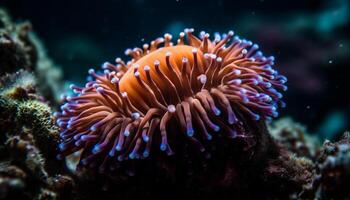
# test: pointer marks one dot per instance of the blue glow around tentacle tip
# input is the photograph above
(59, 157)
(245, 99)
(126, 133)
(275, 114)
(71, 120)
(118, 147)
(120, 158)
(77, 143)
(190, 132)
(84, 137)
(63, 106)
(100, 89)
(62, 133)
(84, 161)
(62, 146)
(69, 126)
(145, 154)
(209, 137)
(60, 123)
(216, 128)
(256, 117)
(268, 85)
(96, 149)
(145, 138)
(283, 104)
(284, 88)
(258, 54)
(76, 137)
(111, 153)
(93, 128)
(91, 71)
(163, 147)
(272, 90)
(132, 155)
(283, 78)
(279, 95)
(217, 112)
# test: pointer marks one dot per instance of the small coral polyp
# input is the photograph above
(202, 89)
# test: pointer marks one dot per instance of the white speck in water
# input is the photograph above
(308, 107)
(341, 45)
(330, 61)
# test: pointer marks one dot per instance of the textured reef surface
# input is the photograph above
(284, 161)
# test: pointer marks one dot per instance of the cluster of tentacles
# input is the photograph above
(203, 87)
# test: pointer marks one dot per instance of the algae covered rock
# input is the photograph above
(29, 137)
(20, 49)
(333, 169)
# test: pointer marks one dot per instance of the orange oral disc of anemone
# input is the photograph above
(197, 88)
(171, 61)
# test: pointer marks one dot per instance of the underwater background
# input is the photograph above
(310, 40)
(46, 46)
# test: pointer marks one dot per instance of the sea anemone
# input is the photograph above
(189, 93)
